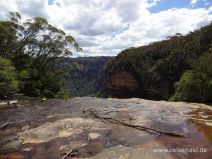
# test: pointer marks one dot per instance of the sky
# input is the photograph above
(105, 27)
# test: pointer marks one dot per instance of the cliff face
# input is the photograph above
(121, 83)
(158, 68)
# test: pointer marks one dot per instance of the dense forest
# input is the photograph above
(178, 68)
(89, 77)
(29, 53)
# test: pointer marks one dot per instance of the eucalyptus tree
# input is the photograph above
(35, 38)
(33, 47)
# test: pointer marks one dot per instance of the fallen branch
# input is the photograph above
(95, 114)
(11, 122)
(5, 124)
(68, 153)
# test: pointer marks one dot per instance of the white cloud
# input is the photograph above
(106, 27)
(193, 1)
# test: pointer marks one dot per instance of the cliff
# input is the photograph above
(176, 68)
(120, 83)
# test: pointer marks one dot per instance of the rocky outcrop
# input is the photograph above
(95, 128)
(121, 83)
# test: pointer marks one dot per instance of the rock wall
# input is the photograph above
(121, 84)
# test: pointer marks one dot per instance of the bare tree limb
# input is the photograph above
(113, 120)
(68, 153)
(5, 124)
(8, 122)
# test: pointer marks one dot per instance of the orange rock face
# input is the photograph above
(121, 82)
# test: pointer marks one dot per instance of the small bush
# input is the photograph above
(63, 94)
(192, 87)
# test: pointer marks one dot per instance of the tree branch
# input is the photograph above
(5, 124)
(8, 122)
(113, 120)
(68, 153)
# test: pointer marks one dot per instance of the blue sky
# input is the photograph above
(50, 2)
(105, 27)
(167, 4)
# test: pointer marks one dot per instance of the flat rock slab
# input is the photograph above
(122, 152)
(60, 128)
(110, 128)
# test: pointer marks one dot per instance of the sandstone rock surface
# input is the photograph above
(110, 128)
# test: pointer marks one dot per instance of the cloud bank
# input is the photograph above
(105, 27)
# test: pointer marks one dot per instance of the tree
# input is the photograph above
(159, 65)
(192, 87)
(33, 47)
(196, 85)
(9, 36)
(8, 78)
(35, 38)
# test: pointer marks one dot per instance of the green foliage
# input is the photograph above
(22, 76)
(158, 66)
(44, 85)
(8, 77)
(88, 79)
(191, 87)
(33, 47)
(196, 85)
(63, 94)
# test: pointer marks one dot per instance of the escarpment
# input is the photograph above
(177, 69)
(122, 83)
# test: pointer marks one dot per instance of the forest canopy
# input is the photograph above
(29, 51)
(178, 68)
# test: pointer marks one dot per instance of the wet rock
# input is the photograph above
(208, 123)
(8, 139)
(93, 136)
(94, 127)
(43, 99)
(122, 152)
(25, 128)
(63, 147)
(12, 155)
(12, 102)
(2, 103)
(8, 104)
(27, 149)
(60, 128)
(11, 146)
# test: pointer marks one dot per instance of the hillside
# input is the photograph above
(178, 68)
(89, 77)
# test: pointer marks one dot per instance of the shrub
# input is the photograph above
(63, 94)
(8, 77)
(192, 87)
